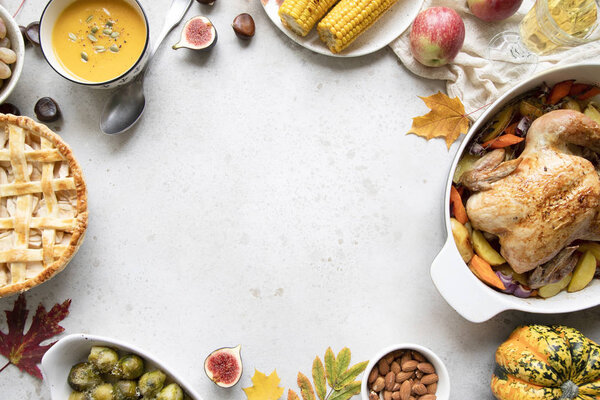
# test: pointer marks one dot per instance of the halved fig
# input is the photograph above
(224, 366)
(197, 34)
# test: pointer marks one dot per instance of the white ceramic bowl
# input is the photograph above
(18, 45)
(443, 388)
(52, 11)
(72, 349)
(456, 283)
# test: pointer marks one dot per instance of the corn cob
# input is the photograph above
(301, 15)
(348, 20)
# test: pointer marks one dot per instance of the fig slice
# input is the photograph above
(197, 34)
(224, 366)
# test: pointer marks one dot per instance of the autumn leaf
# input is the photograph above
(348, 376)
(336, 372)
(346, 392)
(446, 119)
(330, 367)
(292, 395)
(306, 389)
(264, 387)
(342, 361)
(318, 374)
(24, 350)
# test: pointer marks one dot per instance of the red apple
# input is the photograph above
(494, 10)
(437, 35)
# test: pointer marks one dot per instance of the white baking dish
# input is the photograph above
(456, 283)
(72, 349)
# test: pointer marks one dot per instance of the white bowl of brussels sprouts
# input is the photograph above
(86, 367)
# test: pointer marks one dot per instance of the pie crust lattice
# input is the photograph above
(43, 204)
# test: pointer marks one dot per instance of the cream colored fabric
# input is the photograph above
(474, 79)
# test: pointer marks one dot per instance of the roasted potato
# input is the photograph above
(462, 240)
(485, 250)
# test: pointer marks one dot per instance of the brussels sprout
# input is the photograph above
(129, 367)
(126, 390)
(151, 383)
(77, 396)
(102, 392)
(170, 392)
(83, 376)
(103, 358)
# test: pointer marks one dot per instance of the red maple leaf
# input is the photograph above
(23, 349)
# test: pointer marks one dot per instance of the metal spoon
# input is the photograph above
(126, 105)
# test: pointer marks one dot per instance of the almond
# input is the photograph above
(412, 398)
(432, 388)
(419, 374)
(373, 375)
(373, 396)
(395, 367)
(403, 375)
(389, 358)
(405, 357)
(418, 356)
(426, 368)
(405, 390)
(387, 395)
(396, 387)
(429, 379)
(383, 366)
(395, 396)
(428, 397)
(398, 353)
(390, 379)
(379, 384)
(410, 365)
(419, 389)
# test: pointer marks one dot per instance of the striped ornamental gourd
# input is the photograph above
(540, 362)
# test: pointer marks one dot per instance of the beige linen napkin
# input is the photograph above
(474, 79)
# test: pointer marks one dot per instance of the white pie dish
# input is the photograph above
(470, 297)
(73, 349)
(18, 46)
(443, 387)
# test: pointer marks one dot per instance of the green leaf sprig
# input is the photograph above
(336, 372)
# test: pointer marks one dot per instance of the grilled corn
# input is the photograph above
(348, 20)
(301, 15)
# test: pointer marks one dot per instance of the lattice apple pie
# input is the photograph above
(43, 204)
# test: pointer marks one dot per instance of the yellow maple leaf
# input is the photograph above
(264, 387)
(446, 119)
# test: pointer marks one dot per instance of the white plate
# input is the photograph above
(383, 32)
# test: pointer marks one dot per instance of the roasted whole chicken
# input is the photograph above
(541, 202)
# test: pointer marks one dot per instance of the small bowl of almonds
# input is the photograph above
(406, 372)
(12, 53)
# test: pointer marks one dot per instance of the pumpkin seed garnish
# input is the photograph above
(92, 38)
(114, 35)
(72, 36)
(94, 29)
(88, 19)
(114, 48)
(99, 49)
(107, 31)
(109, 23)
(84, 56)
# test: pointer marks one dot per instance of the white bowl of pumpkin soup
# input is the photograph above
(98, 43)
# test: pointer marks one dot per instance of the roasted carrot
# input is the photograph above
(559, 92)
(512, 128)
(484, 271)
(593, 91)
(458, 208)
(502, 141)
(579, 88)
